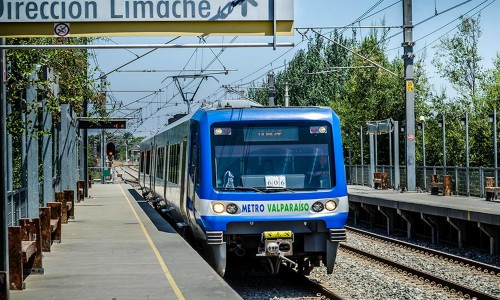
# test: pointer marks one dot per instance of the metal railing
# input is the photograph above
(96, 174)
(473, 187)
(17, 205)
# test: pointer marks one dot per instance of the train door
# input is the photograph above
(165, 176)
(193, 169)
(150, 167)
(183, 176)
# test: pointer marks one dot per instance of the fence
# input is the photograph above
(96, 174)
(360, 174)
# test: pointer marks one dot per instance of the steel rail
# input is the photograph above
(428, 278)
(324, 291)
(431, 252)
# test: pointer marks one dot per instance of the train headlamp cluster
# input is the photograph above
(329, 205)
(219, 207)
(222, 131)
(318, 129)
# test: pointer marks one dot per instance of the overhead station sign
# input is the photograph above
(156, 17)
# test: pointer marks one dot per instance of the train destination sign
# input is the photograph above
(110, 123)
(157, 17)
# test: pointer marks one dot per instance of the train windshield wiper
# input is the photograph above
(277, 190)
(242, 189)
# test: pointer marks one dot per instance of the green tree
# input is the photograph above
(457, 60)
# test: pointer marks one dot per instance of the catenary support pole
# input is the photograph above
(397, 178)
(32, 160)
(423, 156)
(444, 144)
(467, 173)
(362, 156)
(272, 90)
(4, 248)
(48, 140)
(410, 95)
(495, 143)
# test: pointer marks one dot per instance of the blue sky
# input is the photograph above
(252, 64)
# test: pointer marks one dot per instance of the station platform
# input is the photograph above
(118, 247)
(457, 207)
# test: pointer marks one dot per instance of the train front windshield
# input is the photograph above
(270, 157)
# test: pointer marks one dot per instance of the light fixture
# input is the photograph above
(232, 208)
(330, 205)
(218, 207)
(317, 207)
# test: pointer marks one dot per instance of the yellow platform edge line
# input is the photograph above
(167, 273)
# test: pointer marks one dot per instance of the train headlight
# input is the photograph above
(317, 207)
(218, 207)
(232, 208)
(331, 205)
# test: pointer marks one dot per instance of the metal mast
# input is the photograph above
(410, 95)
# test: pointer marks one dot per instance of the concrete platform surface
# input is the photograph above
(118, 247)
(460, 207)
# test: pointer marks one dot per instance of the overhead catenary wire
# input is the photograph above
(360, 18)
(221, 51)
(135, 59)
(447, 24)
(357, 54)
(445, 34)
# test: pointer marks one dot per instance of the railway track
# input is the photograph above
(252, 283)
(316, 289)
(479, 266)
(127, 174)
(433, 279)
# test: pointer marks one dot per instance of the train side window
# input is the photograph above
(173, 173)
(195, 161)
(142, 162)
(167, 162)
(148, 162)
(159, 162)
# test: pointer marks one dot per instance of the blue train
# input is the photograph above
(253, 181)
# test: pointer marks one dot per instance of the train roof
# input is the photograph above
(239, 103)
(251, 108)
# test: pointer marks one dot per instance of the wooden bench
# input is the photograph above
(25, 251)
(436, 185)
(380, 179)
(80, 192)
(490, 190)
(377, 180)
(50, 221)
(67, 198)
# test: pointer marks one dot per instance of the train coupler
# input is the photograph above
(276, 243)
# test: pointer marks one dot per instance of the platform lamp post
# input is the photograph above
(350, 161)
(404, 151)
(442, 124)
(421, 125)
(493, 119)
(465, 122)
(362, 155)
